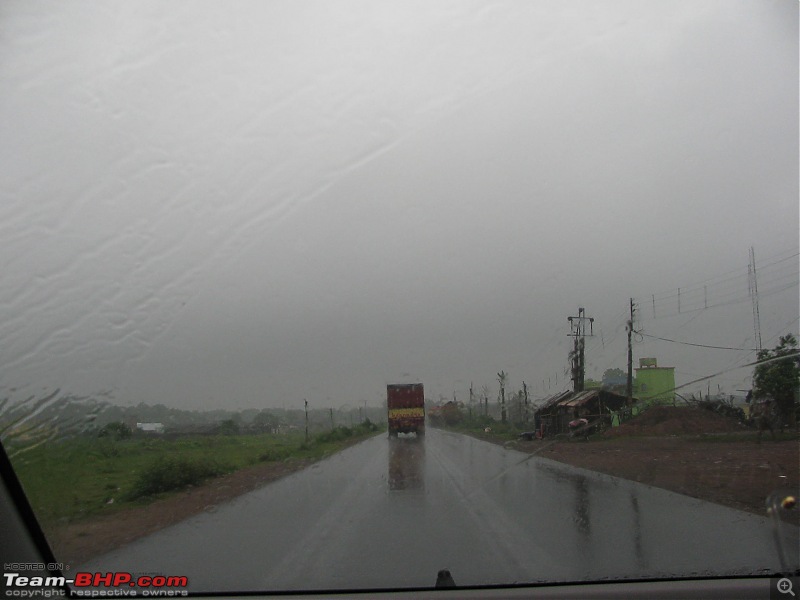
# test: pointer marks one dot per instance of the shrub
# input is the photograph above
(368, 426)
(228, 427)
(115, 431)
(335, 435)
(274, 454)
(107, 450)
(170, 474)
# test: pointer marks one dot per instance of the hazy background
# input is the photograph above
(245, 204)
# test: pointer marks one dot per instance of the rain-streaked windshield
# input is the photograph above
(341, 295)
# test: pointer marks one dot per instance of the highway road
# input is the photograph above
(390, 513)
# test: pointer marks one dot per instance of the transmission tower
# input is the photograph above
(752, 284)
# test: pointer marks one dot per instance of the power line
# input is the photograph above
(655, 337)
(756, 363)
(749, 353)
(739, 299)
(729, 288)
(621, 320)
(738, 273)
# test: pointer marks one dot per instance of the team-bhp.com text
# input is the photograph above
(95, 585)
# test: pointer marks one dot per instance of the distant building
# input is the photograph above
(596, 406)
(656, 384)
(150, 427)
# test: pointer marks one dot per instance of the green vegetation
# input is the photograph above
(90, 475)
(116, 430)
(166, 475)
(340, 434)
(780, 379)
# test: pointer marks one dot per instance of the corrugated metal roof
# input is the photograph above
(581, 398)
(551, 401)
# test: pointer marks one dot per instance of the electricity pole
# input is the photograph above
(306, 404)
(629, 385)
(525, 391)
(471, 399)
(501, 377)
(578, 331)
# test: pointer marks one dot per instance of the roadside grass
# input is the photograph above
(87, 476)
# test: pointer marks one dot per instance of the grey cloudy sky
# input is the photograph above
(236, 204)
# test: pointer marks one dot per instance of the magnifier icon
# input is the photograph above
(785, 586)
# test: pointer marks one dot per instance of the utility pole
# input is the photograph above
(306, 404)
(629, 385)
(525, 391)
(578, 331)
(501, 377)
(332, 426)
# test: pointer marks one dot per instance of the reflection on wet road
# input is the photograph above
(392, 512)
(406, 463)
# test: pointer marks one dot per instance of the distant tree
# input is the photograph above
(609, 374)
(116, 431)
(265, 422)
(228, 427)
(780, 379)
(517, 406)
(485, 398)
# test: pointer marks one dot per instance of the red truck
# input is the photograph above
(406, 404)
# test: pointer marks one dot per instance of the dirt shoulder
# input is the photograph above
(739, 474)
(689, 451)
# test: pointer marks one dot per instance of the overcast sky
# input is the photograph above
(245, 204)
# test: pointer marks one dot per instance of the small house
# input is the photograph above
(150, 427)
(554, 415)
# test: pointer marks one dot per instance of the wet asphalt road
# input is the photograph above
(390, 513)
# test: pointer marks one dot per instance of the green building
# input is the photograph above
(656, 384)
